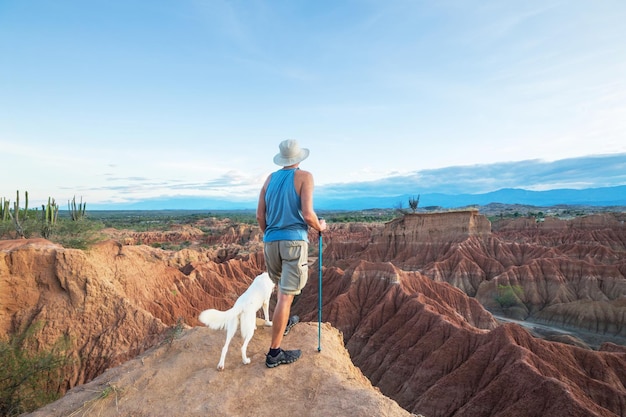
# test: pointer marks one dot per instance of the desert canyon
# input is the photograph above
(432, 314)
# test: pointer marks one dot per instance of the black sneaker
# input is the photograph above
(293, 320)
(285, 356)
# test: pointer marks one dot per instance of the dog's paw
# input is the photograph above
(268, 323)
(220, 367)
(246, 361)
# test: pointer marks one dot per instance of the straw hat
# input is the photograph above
(290, 153)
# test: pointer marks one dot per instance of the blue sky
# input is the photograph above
(119, 101)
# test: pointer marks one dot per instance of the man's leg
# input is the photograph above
(277, 356)
(293, 275)
(280, 318)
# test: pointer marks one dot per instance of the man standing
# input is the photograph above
(285, 211)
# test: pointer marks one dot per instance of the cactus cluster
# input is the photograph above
(77, 212)
(414, 202)
(49, 214)
(18, 215)
(23, 221)
(50, 211)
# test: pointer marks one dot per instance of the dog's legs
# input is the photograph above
(231, 328)
(248, 325)
(266, 312)
(244, 358)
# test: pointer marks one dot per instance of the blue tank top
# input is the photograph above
(283, 209)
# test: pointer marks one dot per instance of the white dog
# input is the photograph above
(243, 312)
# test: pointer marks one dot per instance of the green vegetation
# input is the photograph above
(365, 216)
(79, 234)
(162, 220)
(87, 408)
(155, 220)
(75, 228)
(71, 229)
(509, 295)
(175, 331)
(29, 379)
(17, 222)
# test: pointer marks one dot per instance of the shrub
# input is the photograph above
(29, 379)
(508, 295)
(78, 234)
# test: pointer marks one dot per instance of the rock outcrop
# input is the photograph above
(434, 227)
(179, 378)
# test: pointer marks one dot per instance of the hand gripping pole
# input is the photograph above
(319, 307)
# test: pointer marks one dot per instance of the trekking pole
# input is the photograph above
(319, 307)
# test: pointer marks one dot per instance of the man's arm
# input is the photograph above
(306, 187)
(261, 209)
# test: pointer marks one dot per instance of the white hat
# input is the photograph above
(290, 153)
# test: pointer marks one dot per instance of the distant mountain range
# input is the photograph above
(604, 196)
(595, 180)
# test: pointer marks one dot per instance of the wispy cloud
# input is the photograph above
(230, 185)
(576, 173)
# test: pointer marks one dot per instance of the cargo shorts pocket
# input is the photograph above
(295, 266)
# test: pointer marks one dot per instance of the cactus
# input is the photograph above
(15, 216)
(4, 209)
(414, 202)
(77, 212)
(49, 215)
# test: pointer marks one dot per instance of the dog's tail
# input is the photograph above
(218, 320)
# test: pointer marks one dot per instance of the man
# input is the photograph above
(285, 211)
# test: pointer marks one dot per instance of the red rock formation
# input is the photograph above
(550, 223)
(114, 301)
(178, 234)
(437, 352)
(215, 233)
(70, 296)
(581, 262)
(433, 227)
(422, 341)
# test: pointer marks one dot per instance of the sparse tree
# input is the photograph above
(29, 377)
(399, 208)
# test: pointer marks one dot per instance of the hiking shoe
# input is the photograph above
(293, 320)
(285, 356)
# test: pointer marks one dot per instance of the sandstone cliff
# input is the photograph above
(567, 273)
(114, 301)
(403, 311)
